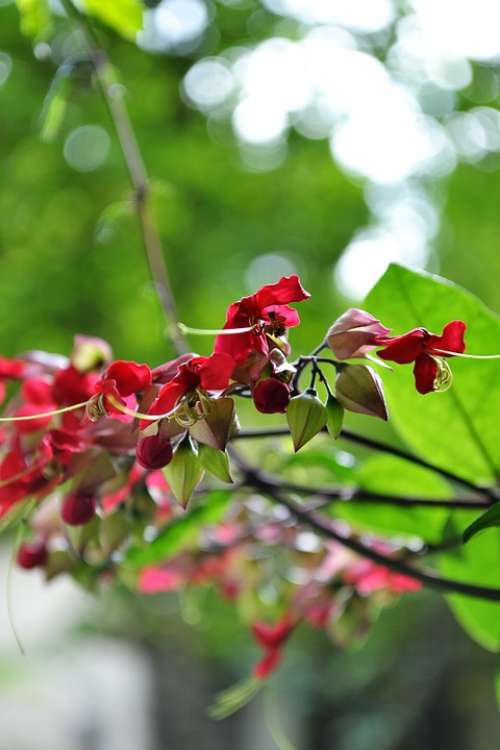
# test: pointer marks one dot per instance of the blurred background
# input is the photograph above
(323, 137)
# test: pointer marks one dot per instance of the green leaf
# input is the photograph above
(306, 416)
(35, 17)
(488, 520)
(124, 16)
(183, 532)
(392, 476)
(335, 416)
(456, 430)
(479, 563)
(184, 471)
(216, 462)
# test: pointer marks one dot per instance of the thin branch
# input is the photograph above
(366, 497)
(377, 445)
(114, 96)
(325, 527)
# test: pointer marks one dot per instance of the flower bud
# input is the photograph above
(354, 334)
(216, 462)
(306, 416)
(335, 416)
(154, 452)
(32, 554)
(90, 353)
(184, 471)
(78, 509)
(271, 396)
(359, 389)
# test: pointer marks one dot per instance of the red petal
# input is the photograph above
(215, 371)
(404, 349)
(287, 316)
(72, 387)
(38, 391)
(130, 377)
(287, 289)
(11, 368)
(451, 340)
(272, 636)
(167, 399)
(425, 372)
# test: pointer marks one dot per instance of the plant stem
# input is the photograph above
(325, 527)
(114, 97)
(362, 497)
(378, 446)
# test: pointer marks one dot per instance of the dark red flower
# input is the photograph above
(272, 638)
(154, 452)
(268, 311)
(426, 350)
(271, 396)
(21, 475)
(32, 554)
(208, 373)
(78, 509)
(72, 386)
(130, 377)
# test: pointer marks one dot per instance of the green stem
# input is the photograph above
(114, 97)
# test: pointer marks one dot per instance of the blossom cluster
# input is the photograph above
(114, 448)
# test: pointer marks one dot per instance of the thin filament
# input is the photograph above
(42, 415)
(214, 331)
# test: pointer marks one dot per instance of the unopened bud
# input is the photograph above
(306, 416)
(32, 555)
(359, 389)
(78, 509)
(354, 334)
(271, 396)
(154, 452)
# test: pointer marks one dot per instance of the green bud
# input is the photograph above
(335, 416)
(306, 416)
(216, 462)
(184, 471)
(359, 389)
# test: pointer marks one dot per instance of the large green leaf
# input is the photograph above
(35, 17)
(477, 562)
(124, 16)
(182, 532)
(458, 429)
(394, 477)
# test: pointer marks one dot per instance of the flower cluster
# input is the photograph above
(115, 449)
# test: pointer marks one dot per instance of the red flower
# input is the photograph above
(21, 475)
(272, 638)
(121, 381)
(367, 577)
(130, 377)
(426, 350)
(271, 396)
(72, 386)
(10, 369)
(209, 373)
(268, 311)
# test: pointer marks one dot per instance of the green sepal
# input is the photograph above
(306, 416)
